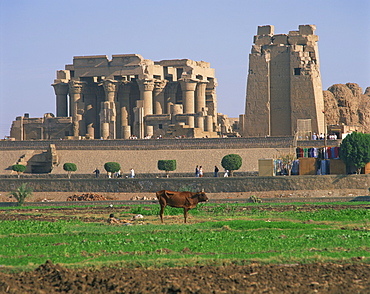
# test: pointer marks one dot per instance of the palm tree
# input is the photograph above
(21, 193)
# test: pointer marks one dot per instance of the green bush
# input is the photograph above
(231, 162)
(69, 167)
(112, 167)
(19, 168)
(167, 165)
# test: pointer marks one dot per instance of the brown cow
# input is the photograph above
(186, 200)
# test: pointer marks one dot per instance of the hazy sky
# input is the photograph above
(39, 37)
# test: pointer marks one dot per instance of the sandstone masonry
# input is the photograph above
(284, 91)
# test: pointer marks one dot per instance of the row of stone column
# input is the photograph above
(151, 90)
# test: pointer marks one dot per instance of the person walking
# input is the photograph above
(197, 172)
(97, 172)
(200, 171)
(132, 173)
(215, 174)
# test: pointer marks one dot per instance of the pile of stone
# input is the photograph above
(143, 198)
(87, 197)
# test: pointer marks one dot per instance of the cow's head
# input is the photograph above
(202, 197)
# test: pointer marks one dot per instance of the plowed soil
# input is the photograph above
(254, 278)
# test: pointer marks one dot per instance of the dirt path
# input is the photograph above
(62, 196)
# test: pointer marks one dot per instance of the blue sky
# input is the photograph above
(39, 37)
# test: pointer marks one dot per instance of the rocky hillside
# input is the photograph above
(347, 104)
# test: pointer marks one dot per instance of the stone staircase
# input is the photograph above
(23, 160)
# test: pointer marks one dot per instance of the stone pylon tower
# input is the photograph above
(284, 90)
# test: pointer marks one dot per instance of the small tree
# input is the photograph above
(19, 168)
(231, 162)
(287, 160)
(167, 165)
(355, 150)
(69, 167)
(112, 167)
(21, 193)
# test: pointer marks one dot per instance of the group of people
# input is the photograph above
(117, 174)
(322, 136)
(199, 172)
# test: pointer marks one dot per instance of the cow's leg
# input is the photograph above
(185, 213)
(163, 206)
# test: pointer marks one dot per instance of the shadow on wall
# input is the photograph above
(39, 163)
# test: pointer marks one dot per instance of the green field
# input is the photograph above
(217, 234)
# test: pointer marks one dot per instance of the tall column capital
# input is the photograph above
(76, 87)
(188, 84)
(110, 89)
(109, 85)
(146, 84)
(61, 88)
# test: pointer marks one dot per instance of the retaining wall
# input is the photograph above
(210, 185)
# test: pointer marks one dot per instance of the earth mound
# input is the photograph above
(87, 197)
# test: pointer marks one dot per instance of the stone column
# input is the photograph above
(171, 90)
(146, 87)
(159, 106)
(77, 107)
(212, 103)
(110, 90)
(108, 111)
(200, 122)
(61, 92)
(90, 130)
(188, 88)
(209, 124)
(125, 111)
(200, 104)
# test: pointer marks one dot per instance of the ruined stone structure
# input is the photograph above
(284, 90)
(40, 128)
(129, 95)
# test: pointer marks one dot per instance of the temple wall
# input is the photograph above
(145, 161)
(143, 155)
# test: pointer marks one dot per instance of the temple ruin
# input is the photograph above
(284, 90)
(128, 96)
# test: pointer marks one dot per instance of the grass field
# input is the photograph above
(217, 234)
